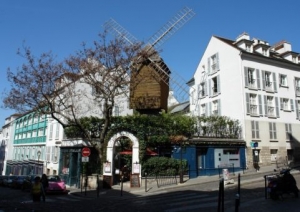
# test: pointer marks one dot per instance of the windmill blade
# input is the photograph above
(171, 27)
(117, 30)
(177, 84)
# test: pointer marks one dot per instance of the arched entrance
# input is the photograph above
(111, 153)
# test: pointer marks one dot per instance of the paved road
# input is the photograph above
(181, 198)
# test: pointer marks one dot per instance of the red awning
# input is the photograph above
(129, 152)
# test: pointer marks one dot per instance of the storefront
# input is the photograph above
(206, 156)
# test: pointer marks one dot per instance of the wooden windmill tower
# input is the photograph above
(152, 79)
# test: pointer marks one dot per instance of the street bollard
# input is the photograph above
(145, 182)
(237, 202)
(121, 185)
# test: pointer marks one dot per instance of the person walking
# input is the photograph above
(37, 190)
(45, 184)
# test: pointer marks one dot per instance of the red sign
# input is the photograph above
(85, 152)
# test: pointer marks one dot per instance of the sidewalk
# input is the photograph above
(248, 176)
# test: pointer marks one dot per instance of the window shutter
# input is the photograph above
(204, 89)
(260, 105)
(219, 84)
(263, 80)
(209, 106)
(274, 82)
(292, 104)
(209, 88)
(253, 129)
(266, 105)
(274, 130)
(219, 107)
(258, 78)
(257, 129)
(297, 109)
(281, 103)
(217, 62)
(248, 103)
(208, 65)
(246, 76)
(198, 93)
(277, 107)
(270, 130)
(206, 109)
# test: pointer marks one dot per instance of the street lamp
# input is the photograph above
(38, 154)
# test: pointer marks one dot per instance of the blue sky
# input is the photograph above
(61, 26)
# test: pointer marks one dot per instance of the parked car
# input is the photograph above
(28, 181)
(18, 181)
(2, 177)
(56, 185)
(8, 181)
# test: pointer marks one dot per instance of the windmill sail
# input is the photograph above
(172, 79)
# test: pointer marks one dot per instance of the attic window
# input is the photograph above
(248, 48)
(264, 51)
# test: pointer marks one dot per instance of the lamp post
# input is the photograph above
(38, 154)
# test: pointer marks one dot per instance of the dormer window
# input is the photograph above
(294, 59)
(264, 51)
(248, 48)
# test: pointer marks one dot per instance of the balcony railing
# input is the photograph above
(298, 91)
(252, 83)
(253, 109)
(269, 86)
(271, 111)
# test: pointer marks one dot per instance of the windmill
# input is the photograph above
(154, 78)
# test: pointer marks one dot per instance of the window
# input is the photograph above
(288, 131)
(34, 133)
(41, 132)
(283, 80)
(255, 129)
(253, 104)
(286, 104)
(248, 48)
(273, 153)
(265, 51)
(269, 81)
(201, 90)
(252, 78)
(297, 86)
(270, 106)
(51, 131)
(35, 119)
(57, 131)
(116, 111)
(215, 108)
(272, 130)
(213, 63)
(28, 134)
(203, 110)
(215, 86)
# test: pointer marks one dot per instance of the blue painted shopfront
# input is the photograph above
(211, 160)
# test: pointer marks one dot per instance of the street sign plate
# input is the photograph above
(85, 159)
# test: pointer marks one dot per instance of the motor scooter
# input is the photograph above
(280, 184)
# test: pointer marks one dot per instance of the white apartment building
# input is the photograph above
(258, 84)
(6, 145)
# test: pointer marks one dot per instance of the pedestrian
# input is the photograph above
(45, 184)
(37, 190)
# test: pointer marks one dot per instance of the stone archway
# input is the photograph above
(111, 148)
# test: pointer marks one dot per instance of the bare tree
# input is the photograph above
(71, 89)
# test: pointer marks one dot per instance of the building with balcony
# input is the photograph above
(257, 84)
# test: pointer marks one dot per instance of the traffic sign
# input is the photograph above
(85, 159)
(85, 152)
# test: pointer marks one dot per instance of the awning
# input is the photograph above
(129, 152)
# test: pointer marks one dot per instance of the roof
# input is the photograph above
(273, 55)
(180, 107)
